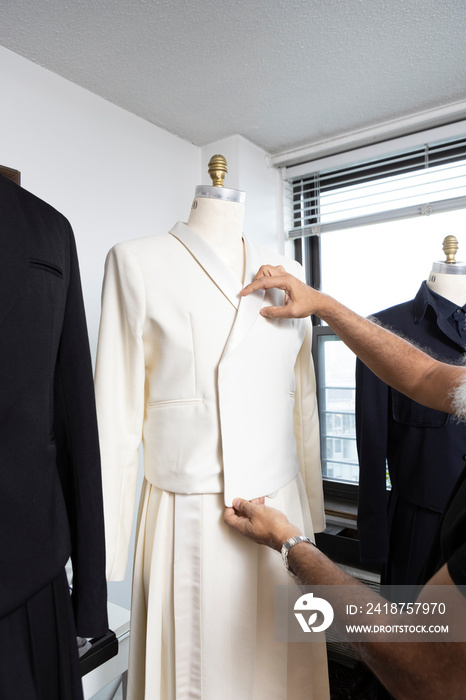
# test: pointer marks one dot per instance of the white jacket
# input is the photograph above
(222, 398)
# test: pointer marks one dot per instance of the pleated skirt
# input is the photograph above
(38, 648)
(202, 622)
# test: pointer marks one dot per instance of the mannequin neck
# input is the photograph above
(452, 287)
(220, 223)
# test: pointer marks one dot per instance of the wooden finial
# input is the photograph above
(450, 246)
(217, 170)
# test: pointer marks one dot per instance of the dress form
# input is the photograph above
(217, 214)
(190, 571)
(448, 278)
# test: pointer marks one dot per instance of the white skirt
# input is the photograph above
(202, 622)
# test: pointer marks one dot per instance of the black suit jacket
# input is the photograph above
(50, 484)
(425, 449)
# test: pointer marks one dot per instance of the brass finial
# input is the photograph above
(450, 246)
(217, 170)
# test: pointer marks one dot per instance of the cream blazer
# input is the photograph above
(222, 398)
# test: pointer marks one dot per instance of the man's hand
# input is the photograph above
(260, 523)
(300, 300)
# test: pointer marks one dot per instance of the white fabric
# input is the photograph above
(224, 402)
(216, 391)
(215, 617)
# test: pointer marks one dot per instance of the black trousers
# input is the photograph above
(38, 648)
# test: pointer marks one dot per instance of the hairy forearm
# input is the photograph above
(410, 670)
(394, 360)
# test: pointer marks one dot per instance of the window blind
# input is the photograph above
(422, 181)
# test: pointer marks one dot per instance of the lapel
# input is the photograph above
(219, 273)
(247, 307)
(14, 252)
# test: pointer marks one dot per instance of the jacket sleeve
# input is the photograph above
(119, 384)
(78, 461)
(307, 431)
(371, 436)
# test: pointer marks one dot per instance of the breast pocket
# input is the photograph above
(408, 412)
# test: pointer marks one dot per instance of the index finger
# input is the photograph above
(265, 283)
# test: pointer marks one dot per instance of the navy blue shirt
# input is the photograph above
(456, 316)
(425, 449)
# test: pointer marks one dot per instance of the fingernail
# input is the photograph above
(236, 503)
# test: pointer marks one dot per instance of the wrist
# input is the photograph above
(326, 307)
(283, 535)
(291, 545)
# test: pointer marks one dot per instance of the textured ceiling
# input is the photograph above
(283, 73)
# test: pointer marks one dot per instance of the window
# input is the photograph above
(336, 395)
(365, 235)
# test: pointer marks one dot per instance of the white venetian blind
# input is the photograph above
(421, 181)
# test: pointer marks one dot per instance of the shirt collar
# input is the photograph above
(426, 297)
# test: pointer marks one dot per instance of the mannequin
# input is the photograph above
(224, 403)
(424, 448)
(448, 278)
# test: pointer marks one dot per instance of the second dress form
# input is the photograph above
(424, 448)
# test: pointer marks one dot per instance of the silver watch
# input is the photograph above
(288, 545)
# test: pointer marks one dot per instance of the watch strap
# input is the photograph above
(289, 544)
